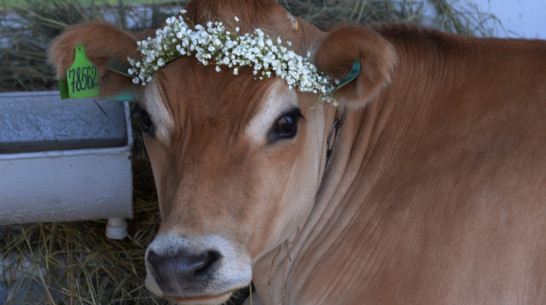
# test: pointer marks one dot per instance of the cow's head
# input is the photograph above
(237, 161)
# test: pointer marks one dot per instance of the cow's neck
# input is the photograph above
(343, 210)
(358, 133)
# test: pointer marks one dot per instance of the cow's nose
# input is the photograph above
(182, 270)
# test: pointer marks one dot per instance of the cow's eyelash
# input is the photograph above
(145, 120)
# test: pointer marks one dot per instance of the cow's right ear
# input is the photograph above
(347, 44)
(104, 44)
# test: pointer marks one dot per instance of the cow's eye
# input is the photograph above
(286, 126)
(145, 120)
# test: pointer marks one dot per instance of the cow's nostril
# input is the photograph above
(206, 263)
(182, 268)
(153, 258)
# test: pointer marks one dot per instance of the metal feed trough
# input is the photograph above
(65, 160)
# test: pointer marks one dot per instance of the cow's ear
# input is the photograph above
(347, 44)
(104, 45)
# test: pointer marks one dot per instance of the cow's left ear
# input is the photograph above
(105, 46)
(347, 44)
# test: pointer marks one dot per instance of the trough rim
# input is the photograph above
(71, 152)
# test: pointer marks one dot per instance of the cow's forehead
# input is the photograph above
(187, 94)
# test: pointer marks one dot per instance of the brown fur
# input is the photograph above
(436, 190)
(438, 178)
(257, 13)
(266, 15)
(346, 44)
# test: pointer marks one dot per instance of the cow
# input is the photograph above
(435, 190)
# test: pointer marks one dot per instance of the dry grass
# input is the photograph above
(35, 23)
(458, 16)
(74, 263)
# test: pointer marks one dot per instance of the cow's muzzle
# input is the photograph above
(191, 270)
(194, 270)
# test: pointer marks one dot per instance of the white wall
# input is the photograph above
(520, 18)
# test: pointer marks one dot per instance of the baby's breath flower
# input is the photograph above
(214, 44)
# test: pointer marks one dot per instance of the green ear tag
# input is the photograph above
(121, 97)
(82, 77)
(63, 89)
(355, 71)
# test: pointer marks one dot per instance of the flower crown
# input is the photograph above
(214, 44)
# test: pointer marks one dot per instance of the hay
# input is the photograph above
(74, 263)
(461, 17)
(35, 23)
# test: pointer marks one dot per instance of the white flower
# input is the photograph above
(214, 44)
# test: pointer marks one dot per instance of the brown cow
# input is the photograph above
(435, 194)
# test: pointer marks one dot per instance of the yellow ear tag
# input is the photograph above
(82, 77)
